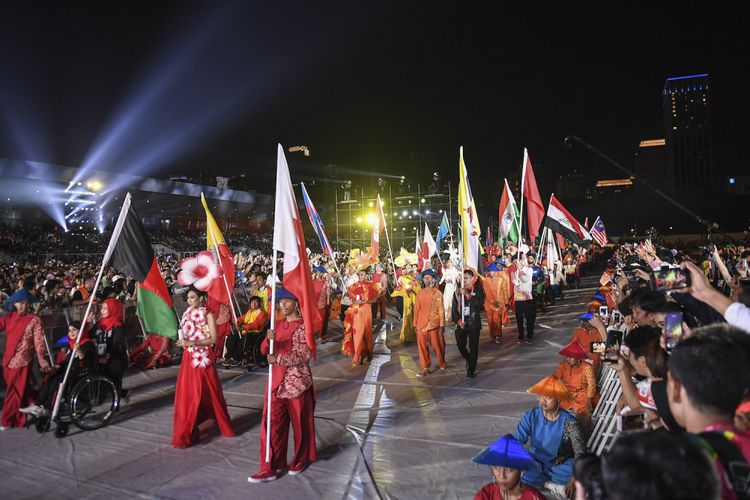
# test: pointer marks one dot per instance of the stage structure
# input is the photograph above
(406, 206)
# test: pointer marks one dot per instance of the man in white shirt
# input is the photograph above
(525, 305)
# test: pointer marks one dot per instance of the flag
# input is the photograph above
(468, 213)
(317, 222)
(378, 224)
(508, 215)
(224, 284)
(552, 255)
(130, 252)
(562, 222)
(429, 245)
(599, 232)
(443, 230)
(586, 222)
(534, 205)
(288, 238)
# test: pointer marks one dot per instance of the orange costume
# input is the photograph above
(429, 322)
(585, 337)
(497, 291)
(358, 341)
(578, 379)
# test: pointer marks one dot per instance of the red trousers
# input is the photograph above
(15, 396)
(299, 412)
(379, 306)
(435, 339)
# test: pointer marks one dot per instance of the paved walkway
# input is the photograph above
(381, 431)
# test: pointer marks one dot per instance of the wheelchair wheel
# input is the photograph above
(255, 355)
(93, 401)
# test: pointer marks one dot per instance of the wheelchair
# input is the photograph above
(89, 404)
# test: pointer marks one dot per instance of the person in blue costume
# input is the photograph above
(554, 439)
(507, 459)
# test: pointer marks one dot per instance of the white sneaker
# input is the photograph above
(31, 410)
(3, 428)
(556, 489)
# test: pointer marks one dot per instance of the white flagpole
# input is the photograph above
(520, 212)
(270, 366)
(107, 255)
(388, 240)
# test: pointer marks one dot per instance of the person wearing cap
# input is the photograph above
(496, 291)
(24, 337)
(507, 460)
(358, 341)
(292, 395)
(592, 329)
(429, 323)
(554, 437)
(85, 362)
(578, 378)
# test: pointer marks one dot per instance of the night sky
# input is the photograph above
(367, 85)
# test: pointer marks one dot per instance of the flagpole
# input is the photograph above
(388, 240)
(270, 366)
(92, 296)
(520, 212)
(223, 273)
(544, 235)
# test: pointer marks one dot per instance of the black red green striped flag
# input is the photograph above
(130, 252)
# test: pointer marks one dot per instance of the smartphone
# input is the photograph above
(632, 421)
(616, 317)
(672, 329)
(669, 278)
(604, 312)
(598, 347)
(611, 353)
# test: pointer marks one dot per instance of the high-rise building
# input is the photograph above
(687, 124)
(652, 165)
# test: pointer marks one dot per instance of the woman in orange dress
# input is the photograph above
(358, 340)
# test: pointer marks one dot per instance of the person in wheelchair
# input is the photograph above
(85, 363)
(251, 327)
(109, 334)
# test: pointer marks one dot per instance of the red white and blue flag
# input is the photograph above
(599, 232)
(317, 222)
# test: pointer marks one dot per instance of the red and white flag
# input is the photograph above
(534, 204)
(289, 238)
(429, 246)
(377, 227)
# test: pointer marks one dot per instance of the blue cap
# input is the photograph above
(431, 272)
(320, 269)
(586, 316)
(283, 293)
(492, 268)
(21, 296)
(506, 452)
(600, 297)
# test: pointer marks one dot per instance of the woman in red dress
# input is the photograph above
(292, 395)
(198, 396)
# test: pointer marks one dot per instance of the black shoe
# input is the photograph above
(471, 374)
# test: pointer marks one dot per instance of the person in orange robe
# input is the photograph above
(496, 289)
(578, 378)
(429, 323)
(592, 330)
(358, 341)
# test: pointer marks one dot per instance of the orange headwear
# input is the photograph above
(552, 388)
(574, 350)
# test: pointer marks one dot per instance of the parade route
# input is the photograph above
(381, 431)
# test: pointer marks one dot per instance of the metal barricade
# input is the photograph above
(605, 415)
